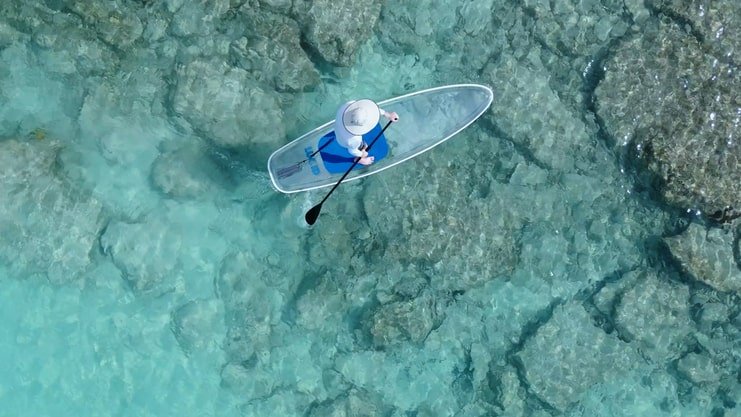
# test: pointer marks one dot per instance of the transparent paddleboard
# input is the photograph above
(427, 118)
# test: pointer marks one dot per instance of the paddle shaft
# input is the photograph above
(310, 217)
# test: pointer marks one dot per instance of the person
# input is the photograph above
(355, 119)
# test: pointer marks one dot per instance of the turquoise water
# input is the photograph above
(147, 267)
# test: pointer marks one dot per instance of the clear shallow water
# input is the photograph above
(514, 270)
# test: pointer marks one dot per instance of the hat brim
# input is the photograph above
(370, 107)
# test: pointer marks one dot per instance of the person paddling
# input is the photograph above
(355, 119)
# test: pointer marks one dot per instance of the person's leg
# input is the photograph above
(367, 160)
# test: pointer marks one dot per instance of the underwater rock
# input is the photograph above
(292, 364)
(412, 27)
(578, 28)
(321, 307)
(442, 244)
(228, 106)
(168, 249)
(609, 296)
(409, 286)
(454, 42)
(197, 18)
(142, 93)
(673, 107)
(245, 282)
(337, 30)
(448, 44)
(504, 390)
(646, 390)
(78, 55)
(253, 302)
(406, 321)
(713, 314)
(281, 6)
(271, 53)
(164, 249)
(715, 24)
(146, 253)
(572, 36)
(654, 312)
(446, 225)
(198, 324)
(247, 381)
(568, 355)
(65, 44)
(119, 127)
(356, 402)
(185, 172)
(117, 26)
(32, 99)
(407, 378)
(234, 376)
(408, 25)
(699, 369)
(155, 27)
(534, 117)
(707, 254)
(46, 226)
(712, 346)
(25, 16)
(8, 35)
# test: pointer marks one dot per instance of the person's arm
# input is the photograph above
(389, 115)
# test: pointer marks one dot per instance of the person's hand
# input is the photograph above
(365, 153)
(393, 116)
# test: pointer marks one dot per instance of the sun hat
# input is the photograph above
(361, 116)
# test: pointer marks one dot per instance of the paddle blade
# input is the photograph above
(313, 214)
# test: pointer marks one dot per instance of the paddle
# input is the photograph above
(313, 213)
(289, 170)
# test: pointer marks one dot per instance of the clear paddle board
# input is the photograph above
(427, 118)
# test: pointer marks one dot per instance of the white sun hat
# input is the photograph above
(361, 116)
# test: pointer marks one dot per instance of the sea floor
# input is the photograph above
(147, 267)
